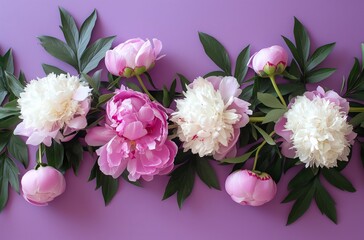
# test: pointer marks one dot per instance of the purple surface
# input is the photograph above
(139, 213)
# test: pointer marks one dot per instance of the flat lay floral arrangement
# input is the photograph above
(135, 131)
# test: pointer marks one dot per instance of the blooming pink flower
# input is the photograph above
(133, 57)
(269, 61)
(315, 129)
(210, 116)
(134, 137)
(42, 185)
(248, 188)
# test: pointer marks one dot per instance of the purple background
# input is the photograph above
(139, 213)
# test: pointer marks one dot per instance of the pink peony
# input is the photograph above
(315, 129)
(210, 116)
(133, 57)
(248, 188)
(42, 185)
(269, 61)
(134, 137)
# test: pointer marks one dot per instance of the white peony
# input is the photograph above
(319, 131)
(208, 123)
(50, 104)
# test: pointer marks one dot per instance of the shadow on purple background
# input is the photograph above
(139, 213)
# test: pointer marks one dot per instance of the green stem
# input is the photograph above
(256, 119)
(272, 79)
(39, 160)
(356, 109)
(144, 88)
(258, 151)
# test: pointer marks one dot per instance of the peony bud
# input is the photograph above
(133, 57)
(269, 61)
(42, 185)
(249, 188)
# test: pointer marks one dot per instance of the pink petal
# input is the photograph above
(114, 63)
(134, 131)
(157, 46)
(98, 136)
(145, 56)
(81, 93)
(229, 87)
(78, 123)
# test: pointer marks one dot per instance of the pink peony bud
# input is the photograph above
(133, 57)
(249, 188)
(42, 185)
(269, 61)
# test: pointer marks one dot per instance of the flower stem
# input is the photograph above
(256, 119)
(144, 88)
(356, 109)
(39, 160)
(272, 79)
(258, 151)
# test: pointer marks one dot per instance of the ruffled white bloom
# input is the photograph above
(50, 104)
(319, 131)
(203, 118)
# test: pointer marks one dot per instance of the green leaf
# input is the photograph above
(302, 40)
(69, 29)
(59, 49)
(8, 174)
(52, 69)
(166, 98)
(353, 75)
(94, 81)
(14, 84)
(5, 137)
(273, 115)
(74, 154)
(215, 73)
(7, 112)
(338, 180)
(319, 75)
(108, 184)
(85, 32)
(301, 179)
(186, 185)
(181, 182)
(301, 205)
(150, 80)
(241, 159)
(357, 119)
(55, 154)
(294, 51)
(216, 52)
(133, 86)
(94, 53)
(362, 53)
(241, 67)
(18, 149)
(109, 188)
(296, 193)
(3, 95)
(184, 81)
(8, 65)
(325, 202)
(105, 97)
(269, 100)
(207, 173)
(265, 135)
(319, 55)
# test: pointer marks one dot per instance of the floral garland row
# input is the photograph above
(136, 133)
